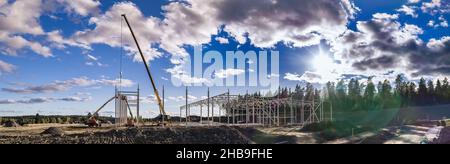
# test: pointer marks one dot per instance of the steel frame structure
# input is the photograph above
(125, 102)
(258, 111)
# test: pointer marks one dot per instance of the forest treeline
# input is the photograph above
(369, 95)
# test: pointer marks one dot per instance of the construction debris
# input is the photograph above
(11, 124)
(53, 131)
(176, 135)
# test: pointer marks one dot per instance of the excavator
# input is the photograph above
(163, 117)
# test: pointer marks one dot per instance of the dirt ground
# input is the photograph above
(408, 134)
(279, 135)
(37, 129)
(79, 134)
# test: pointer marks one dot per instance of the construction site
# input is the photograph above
(225, 118)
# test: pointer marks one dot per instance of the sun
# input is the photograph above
(323, 63)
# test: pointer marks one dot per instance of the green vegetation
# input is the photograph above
(38, 119)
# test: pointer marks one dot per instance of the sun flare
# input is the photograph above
(322, 63)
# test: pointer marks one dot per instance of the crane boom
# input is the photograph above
(158, 98)
(99, 109)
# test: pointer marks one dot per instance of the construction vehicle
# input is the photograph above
(92, 121)
(163, 114)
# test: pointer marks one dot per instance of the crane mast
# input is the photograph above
(158, 98)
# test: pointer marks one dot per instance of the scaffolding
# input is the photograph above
(125, 103)
(258, 111)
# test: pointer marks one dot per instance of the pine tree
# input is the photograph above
(422, 92)
(438, 92)
(431, 98)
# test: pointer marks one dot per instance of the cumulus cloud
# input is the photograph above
(6, 67)
(79, 7)
(43, 100)
(179, 73)
(384, 45)
(19, 18)
(223, 74)
(297, 23)
(183, 98)
(413, 1)
(192, 22)
(431, 23)
(444, 22)
(58, 41)
(222, 40)
(436, 7)
(58, 86)
(382, 48)
(408, 10)
(108, 28)
(310, 77)
(438, 44)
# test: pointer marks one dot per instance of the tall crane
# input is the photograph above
(158, 98)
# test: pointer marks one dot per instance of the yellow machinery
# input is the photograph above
(163, 115)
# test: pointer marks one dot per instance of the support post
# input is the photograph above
(187, 106)
(163, 107)
(138, 106)
(229, 106)
(212, 112)
(208, 105)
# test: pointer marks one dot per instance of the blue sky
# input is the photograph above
(63, 57)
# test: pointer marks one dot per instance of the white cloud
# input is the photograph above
(408, 10)
(193, 22)
(6, 67)
(58, 41)
(16, 19)
(151, 99)
(413, 1)
(223, 74)
(222, 40)
(44, 100)
(444, 22)
(182, 98)
(108, 29)
(384, 46)
(438, 44)
(80, 7)
(19, 18)
(293, 77)
(431, 23)
(312, 77)
(58, 86)
(436, 6)
(90, 57)
(180, 74)
(186, 79)
(385, 16)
